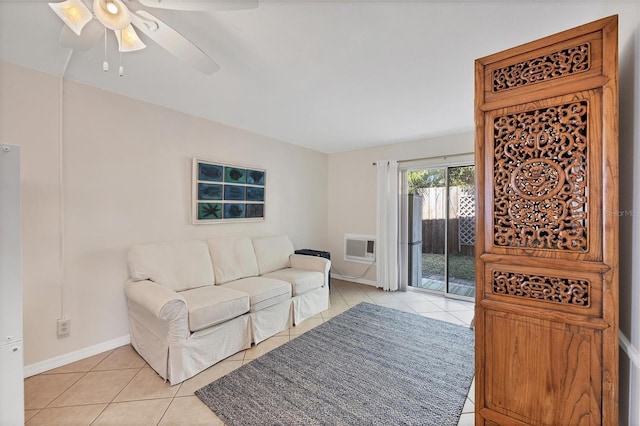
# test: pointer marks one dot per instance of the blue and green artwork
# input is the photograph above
(255, 177)
(235, 175)
(255, 210)
(209, 211)
(226, 193)
(210, 172)
(255, 194)
(233, 211)
(207, 191)
(234, 192)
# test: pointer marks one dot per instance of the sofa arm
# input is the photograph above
(165, 304)
(311, 263)
(161, 310)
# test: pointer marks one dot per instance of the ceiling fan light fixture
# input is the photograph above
(128, 40)
(112, 13)
(73, 13)
(112, 8)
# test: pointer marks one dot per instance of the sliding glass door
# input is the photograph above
(438, 229)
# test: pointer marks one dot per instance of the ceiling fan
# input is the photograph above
(85, 26)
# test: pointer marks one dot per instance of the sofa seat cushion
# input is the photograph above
(263, 292)
(211, 305)
(301, 281)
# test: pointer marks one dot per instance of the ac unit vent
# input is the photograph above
(360, 248)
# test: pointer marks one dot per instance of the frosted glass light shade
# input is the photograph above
(128, 40)
(74, 13)
(112, 13)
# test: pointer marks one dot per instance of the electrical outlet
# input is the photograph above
(64, 326)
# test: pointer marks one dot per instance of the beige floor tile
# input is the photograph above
(472, 391)
(40, 390)
(264, 347)
(354, 299)
(305, 326)
(95, 387)
(469, 406)
(137, 413)
(409, 295)
(452, 305)
(236, 357)
(189, 410)
(334, 311)
(80, 366)
(147, 385)
(121, 358)
(464, 316)
(29, 413)
(384, 298)
(467, 419)
(336, 299)
(398, 306)
(283, 333)
(422, 306)
(77, 415)
(429, 296)
(442, 316)
(207, 376)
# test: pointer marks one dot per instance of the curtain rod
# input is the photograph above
(444, 157)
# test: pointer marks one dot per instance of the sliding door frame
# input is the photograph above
(427, 163)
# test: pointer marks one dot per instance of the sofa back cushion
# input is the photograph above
(273, 253)
(232, 258)
(178, 266)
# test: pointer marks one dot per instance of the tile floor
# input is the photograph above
(118, 387)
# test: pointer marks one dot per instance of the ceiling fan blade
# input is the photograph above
(90, 34)
(201, 5)
(174, 42)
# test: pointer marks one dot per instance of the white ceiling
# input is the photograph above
(329, 75)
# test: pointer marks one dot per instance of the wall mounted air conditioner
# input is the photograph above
(360, 248)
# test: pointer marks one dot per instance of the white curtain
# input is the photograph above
(387, 225)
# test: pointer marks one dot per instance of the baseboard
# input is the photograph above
(354, 280)
(629, 349)
(59, 361)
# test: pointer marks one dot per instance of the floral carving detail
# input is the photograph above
(537, 179)
(552, 289)
(558, 64)
(540, 177)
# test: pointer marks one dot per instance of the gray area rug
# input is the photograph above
(368, 366)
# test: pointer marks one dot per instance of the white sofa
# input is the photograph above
(194, 303)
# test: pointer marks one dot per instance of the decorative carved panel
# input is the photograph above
(547, 262)
(540, 178)
(551, 289)
(543, 68)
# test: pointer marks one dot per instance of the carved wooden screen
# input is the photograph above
(547, 241)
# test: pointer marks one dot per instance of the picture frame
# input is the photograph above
(227, 193)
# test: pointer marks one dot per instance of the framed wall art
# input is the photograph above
(227, 193)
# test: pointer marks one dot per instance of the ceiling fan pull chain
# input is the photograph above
(121, 69)
(105, 64)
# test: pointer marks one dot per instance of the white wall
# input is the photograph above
(352, 189)
(127, 179)
(629, 64)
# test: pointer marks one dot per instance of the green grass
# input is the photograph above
(461, 267)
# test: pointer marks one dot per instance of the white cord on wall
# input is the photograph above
(350, 277)
(61, 186)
